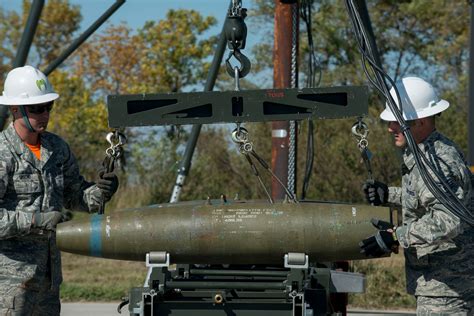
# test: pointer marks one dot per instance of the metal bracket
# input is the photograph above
(298, 301)
(158, 259)
(347, 282)
(296, 260)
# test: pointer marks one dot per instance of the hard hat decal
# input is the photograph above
(41, 83)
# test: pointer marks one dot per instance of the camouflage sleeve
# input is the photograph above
(395, 195)
(437, 224)
(13, 222)
(79, 194)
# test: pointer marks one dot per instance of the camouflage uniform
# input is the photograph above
(438, 247)
(30, 263)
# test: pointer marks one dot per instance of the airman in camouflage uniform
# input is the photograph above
(438, 246)
(33, 192)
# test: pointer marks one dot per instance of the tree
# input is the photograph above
(410, 41)
(59, 22)
(171, 63)
(110, 62)
(10, 35)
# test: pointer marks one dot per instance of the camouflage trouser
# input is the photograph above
(443, 306)
(20, 302)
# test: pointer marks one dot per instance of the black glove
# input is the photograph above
(376, 192)
(382, 243)
(108, 183)
(47, 220)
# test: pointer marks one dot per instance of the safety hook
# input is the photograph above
(245, 64)
(240, 135)
(116, 141)
(360, 130)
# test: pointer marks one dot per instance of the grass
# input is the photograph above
(93, 279)
(385, 287)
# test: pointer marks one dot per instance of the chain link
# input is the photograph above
(293, 126)
(236, 7)
(360, 131)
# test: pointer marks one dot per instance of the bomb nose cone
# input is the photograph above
(81, 236)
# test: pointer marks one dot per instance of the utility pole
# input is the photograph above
(285, 74)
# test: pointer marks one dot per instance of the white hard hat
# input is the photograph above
(27, 85)
(419, 100)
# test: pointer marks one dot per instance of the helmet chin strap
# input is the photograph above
(26, 119)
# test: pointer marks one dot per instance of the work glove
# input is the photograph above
(383, 242)
(107, 183)
(47, 220)
(376, 192)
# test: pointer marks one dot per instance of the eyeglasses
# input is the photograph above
(40, 108)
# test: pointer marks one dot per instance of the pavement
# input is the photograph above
(110, 309)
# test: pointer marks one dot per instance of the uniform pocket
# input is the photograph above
(26, 183)
(409, 195)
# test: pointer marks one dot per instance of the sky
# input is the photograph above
(136, 12)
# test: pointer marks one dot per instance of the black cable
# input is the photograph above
(313, 62)
(441, 191)
(309, 159)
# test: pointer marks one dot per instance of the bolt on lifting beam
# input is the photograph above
(236, 106)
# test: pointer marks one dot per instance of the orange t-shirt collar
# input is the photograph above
(35, 149)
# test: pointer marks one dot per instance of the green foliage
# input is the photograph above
(80, 120)
(170, 64)
(10, 34)
(109, 62)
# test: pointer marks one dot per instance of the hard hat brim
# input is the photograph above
(27, 101)
(439, 107)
